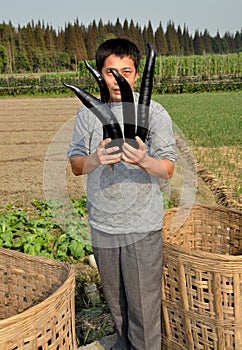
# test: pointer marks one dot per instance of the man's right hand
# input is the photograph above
(107, 155)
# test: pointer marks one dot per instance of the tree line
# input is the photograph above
(38, 47)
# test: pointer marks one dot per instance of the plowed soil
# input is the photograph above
(28, 126)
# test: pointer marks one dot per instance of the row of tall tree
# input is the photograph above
(38, 47)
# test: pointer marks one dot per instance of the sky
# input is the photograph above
(213, 15)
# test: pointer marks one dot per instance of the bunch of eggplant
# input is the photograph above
(99, 107)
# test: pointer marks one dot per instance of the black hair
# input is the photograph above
(119, 47)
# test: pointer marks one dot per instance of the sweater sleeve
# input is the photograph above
(161, 140)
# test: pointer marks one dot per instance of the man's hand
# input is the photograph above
(86, 164)
(105, 155)
(163, 168)
(133, 155)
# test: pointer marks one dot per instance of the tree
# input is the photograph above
(8, 38)
(198, 44)
(74, 43)
(160, 41)
(90, 39)
(118, 30)
(180, 40)
(208, 48)
(50, 45)
(217, 44)
(39, 47)
(238, 41)
(3, 59)
(27, 40)
(229, 42)
(62, 60)
(22, 63)
(149, 34)
(126, 28)
(187, 42)
(172, 39)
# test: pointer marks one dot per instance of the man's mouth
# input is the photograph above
(117, 91)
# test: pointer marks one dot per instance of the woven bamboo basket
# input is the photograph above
(36, 303)
(202, 279)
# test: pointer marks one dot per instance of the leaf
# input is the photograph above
(76, 249)
(7, 238)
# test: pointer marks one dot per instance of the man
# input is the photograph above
(125, 204)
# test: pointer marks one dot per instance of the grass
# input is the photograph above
(212, 124)
(207, 119)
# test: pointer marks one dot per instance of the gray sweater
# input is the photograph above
(125, 199)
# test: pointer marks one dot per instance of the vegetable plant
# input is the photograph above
(37, 232)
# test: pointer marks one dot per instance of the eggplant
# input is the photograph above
(103, 113)
(145, 94)
(104, 92)
(128, 108)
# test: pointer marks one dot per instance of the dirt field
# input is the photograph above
(28, 126)
(35, 134)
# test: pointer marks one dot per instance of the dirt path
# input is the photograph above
(34, 136)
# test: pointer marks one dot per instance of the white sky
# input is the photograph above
(213, 15)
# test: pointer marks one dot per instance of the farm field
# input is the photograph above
(212, 125)
(35, 133)
(28, 126)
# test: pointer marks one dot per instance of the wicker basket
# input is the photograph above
(202, 279)
(36, 303)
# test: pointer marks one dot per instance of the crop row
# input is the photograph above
(48, 85)
(173, 74)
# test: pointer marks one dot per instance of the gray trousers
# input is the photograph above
(131, 280)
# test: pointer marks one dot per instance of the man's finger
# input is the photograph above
(139, 141)
(106, 141)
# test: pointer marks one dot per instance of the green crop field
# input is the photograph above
(211, 122)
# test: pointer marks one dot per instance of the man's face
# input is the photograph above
(124, 66)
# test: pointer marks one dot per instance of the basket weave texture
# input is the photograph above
(202, 279)
(36, 303)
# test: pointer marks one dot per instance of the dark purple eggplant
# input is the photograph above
(145, 95)
(128, 108)
(104, 92)
(103, 113)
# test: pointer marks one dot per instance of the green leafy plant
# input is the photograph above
(39, 233)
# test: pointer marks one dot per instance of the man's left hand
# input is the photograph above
(133, 155)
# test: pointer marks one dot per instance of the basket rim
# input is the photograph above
(33, 258)
(205, 206)
(44, 303)
(199, 253)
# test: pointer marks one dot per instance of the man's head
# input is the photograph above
(121, 55)
(118, 47)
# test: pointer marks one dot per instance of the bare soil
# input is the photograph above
(28, 126)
